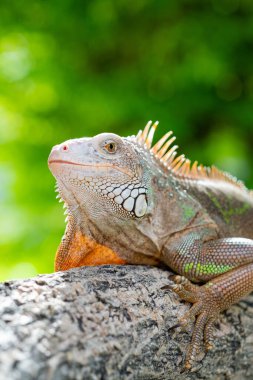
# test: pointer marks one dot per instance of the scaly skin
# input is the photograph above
(130, 203)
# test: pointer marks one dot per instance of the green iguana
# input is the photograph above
(130, 202)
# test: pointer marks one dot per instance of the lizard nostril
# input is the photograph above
(65, 148)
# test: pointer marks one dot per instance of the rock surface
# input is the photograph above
(111, 322)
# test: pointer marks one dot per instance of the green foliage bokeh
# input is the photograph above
(73, 68)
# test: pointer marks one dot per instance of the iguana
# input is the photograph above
(130, 202)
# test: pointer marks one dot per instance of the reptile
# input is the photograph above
(131, 201)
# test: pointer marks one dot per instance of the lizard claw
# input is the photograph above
(166, 287)
(174, 327)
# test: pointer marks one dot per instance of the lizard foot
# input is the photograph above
(204, 311)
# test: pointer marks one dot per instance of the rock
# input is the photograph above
(111, 322)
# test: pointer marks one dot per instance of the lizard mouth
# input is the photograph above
(93, 166)
(66, 162)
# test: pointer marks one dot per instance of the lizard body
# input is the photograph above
(130, 202)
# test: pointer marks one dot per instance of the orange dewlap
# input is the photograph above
(102, 255)
(83, 251)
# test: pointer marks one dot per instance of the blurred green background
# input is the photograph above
(73, 68)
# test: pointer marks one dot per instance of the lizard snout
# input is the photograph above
(62, 151)
(71, 152)
(59, 152)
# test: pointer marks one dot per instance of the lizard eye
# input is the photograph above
(110, 146)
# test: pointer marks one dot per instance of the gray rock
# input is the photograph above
(111, 322)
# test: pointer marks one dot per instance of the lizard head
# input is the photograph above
(105, 176)
(105, 183)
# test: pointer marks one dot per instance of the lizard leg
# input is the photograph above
(209, 300)
(225, 265)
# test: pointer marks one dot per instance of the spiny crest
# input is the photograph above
(65, 207)
(181, 166)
